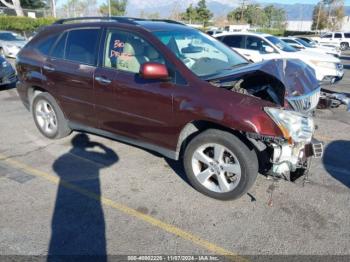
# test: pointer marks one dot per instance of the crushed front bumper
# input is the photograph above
(287, 158)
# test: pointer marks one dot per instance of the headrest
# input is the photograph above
(133, 48)
(152, 53)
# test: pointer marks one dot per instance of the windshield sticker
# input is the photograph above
(117, 51)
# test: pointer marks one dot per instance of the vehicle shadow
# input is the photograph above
(7, 87)
(78, 225)
(336, 161)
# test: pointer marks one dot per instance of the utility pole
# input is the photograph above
(319, 14)
(53, 6)
(242, 9)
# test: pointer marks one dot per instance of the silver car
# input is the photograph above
(11, 43)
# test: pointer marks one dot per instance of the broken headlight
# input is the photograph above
(295, 126)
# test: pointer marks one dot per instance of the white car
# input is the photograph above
(340, 39)
(257, 47)
(301, 44)
(11, 43)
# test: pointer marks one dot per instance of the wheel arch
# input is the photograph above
(194, 128)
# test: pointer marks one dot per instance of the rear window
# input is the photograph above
(44, 45)
(82, 46)
(58, 50)
(234, 41)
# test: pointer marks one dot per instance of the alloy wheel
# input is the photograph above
(46, 117)
(216, 168)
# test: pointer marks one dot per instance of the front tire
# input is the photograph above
(48, 117)
(220, 165)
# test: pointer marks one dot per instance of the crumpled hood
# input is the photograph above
(297, 77)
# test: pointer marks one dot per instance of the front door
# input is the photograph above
(70, 70)
(127, 104)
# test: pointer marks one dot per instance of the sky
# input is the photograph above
(347, 2)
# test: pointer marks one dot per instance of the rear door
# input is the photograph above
(127, 104)
(69, 71)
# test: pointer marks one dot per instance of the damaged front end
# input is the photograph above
(289, 156)
(292, 86)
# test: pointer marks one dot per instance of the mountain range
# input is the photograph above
(217, 7)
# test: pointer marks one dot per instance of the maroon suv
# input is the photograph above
(171, 89)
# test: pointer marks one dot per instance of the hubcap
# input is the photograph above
(46, 117)
(216, 168)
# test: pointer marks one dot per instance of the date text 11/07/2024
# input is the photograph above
(174, 258)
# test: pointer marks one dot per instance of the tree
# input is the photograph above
(16, 5)
(203, 13)
(275, 17)
(252, 14)
(328, 14)
(118, 8)
(190, 15)
(319, 17)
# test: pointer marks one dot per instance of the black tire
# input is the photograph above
(344, 46)
(246, 157)
(62, 129)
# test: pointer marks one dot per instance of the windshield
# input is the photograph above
(304, 43)
(281, 45)
(11, 37)
(202, 54)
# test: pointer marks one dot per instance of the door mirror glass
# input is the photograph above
(268, 49)
(153, 70)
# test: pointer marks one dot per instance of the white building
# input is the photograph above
(299, 25)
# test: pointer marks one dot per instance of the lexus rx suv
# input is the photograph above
(174, 90)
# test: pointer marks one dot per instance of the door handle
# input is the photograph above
(49, 68)
(103, 80)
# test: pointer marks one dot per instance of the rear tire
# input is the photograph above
(48, 117)
(220, 165)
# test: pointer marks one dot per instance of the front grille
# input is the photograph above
(305, 103)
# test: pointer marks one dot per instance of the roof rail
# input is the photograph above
(165, 20)
(119, 19)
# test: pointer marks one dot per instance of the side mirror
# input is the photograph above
(269, 49)
(155, 71)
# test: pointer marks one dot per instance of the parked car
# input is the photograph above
(7, 73)
(340, 39)
(11, 43)
(176, 91)
(258, 47)
(214, 32)
(303, 45)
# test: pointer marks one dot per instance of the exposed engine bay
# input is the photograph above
(258, 84)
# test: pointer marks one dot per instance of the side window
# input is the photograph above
(337, 35)
(327, 36)
(45, 45)
(58, 50)
(234, 41)
(127, 52)
(257, 44)
(347, 35)
(82, 46)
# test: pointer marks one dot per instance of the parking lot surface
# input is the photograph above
(91, 195)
